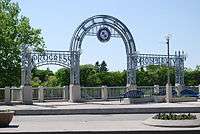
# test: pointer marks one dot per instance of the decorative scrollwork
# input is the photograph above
(151, 59)
(61, 58)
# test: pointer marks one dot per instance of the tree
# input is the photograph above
(63, 76)
(86, 71)
(42, 74)
(192, 77)
(103, 67)
(15, 30)
(154, 75)
(36, 82)
(52, 81)
(97, 66)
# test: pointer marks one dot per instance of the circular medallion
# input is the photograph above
(103, 34)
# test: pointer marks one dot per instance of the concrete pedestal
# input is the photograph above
(27, 95)
(75, 93)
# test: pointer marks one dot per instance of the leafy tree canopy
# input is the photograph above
(15, 30)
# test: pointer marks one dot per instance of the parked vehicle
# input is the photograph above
(189, 93)
(132, 94)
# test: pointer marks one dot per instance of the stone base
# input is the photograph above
(75, 93)
(27, 95)
(172, 123)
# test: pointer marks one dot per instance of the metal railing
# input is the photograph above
(147, 90)
(53, 93)
(115, 92)
(87, 93)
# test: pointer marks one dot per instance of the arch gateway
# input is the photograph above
(104, 27)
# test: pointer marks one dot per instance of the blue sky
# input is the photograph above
(148, 20)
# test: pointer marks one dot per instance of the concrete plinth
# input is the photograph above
(27, 95)
(75, 93)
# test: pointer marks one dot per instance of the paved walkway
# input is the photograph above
(87, 124)
(90, 122)
(103, 107)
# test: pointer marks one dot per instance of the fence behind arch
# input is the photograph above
(14, 94)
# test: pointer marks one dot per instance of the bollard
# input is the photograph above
(65, 93)
(7, 99)
(104, 93)
(41, 94)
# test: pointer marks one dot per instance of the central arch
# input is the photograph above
(104, 27)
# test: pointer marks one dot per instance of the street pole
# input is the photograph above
(168, 61)
(168, 86)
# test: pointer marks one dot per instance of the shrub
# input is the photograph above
(174, 116)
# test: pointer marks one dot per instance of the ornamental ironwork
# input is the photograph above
(61, 58)
(104, 27)
(103, 34)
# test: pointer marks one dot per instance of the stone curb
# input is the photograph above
(114, 132)
(109, 111)
(172, 123)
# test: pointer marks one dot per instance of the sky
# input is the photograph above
(149, 21)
